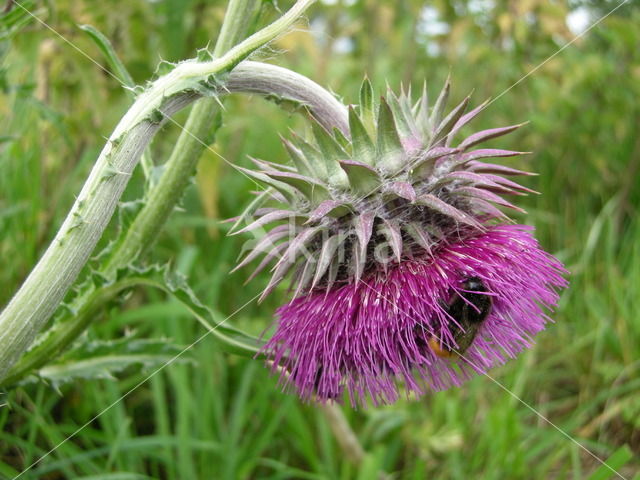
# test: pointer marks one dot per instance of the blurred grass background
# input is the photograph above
(224, 417)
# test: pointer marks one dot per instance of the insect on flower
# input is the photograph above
(399, 252)
(468, 310)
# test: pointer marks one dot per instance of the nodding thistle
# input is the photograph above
(403, 266)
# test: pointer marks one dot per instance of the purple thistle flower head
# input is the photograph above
(403, 266)
(395, 325)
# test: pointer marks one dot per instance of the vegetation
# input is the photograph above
(216, 415)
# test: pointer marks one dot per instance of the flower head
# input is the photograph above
(402, 265)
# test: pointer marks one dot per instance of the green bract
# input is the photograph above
(391, 191)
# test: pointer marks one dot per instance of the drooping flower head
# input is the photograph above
(403, 266)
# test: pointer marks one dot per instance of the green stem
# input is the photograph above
(249, 77)
(178, 171)
(160, 202)
(60, 265)
(67, 332)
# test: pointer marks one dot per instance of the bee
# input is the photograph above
(470, 309)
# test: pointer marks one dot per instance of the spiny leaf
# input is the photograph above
(299, 160)
(100, 359)
(314, 157)
(363, 225)
(268, 218)
(391, 230)
(444, 208)
(466, 118)
(332, 154)
(404, 124)
(485, 135)
(333, 208)
(402, 190)
(363, 148)
(363, 179)
(388, 146)
(290, 258)
(256, 203)
(313, 190)
(286, 190)
(327, 254)
(438, 108)
(421, 112)
(481, 167)
(111, 56)
(367, 107)
(264, 245)
(424, 163)
(486, 195)
(421, 237)
(343, 141)
(273, 254)
(489, 153)
(440, 135)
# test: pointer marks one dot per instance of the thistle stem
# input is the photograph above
(248, 77)
(341, 429)
(58, 268)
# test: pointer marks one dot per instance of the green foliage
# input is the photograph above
(104, 359)
(223, 415)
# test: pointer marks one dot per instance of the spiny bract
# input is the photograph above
(394, 190)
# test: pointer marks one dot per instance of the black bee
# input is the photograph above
(470, 309)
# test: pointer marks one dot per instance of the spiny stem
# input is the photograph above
(58, 268)
(249, 77)
(164, 195)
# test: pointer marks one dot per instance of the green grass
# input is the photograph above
(221, 416)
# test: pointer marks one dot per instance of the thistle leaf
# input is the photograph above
(275, 253)
(425, 163)
(465, 119)
(343, 141)
(391, 230)
(111, 56)
(485, 135)
(290, 258)
(327, 253)
(286, 190)
(364, 228)
(332, 154)
(314, 158)
(438, 108)
(313, 190)
(421, 237)
(368, 107)
(401, 189)
(488, 196)
(444, 128)
(388, 147)
(364, 179)
(255, 204)
(421, 112)
(489, 153)
(444, 208)
(364, 150)
(303, 166)
(481, 167)
(333, 208)
(268, 218)
(404, 125)
(264, 245)
(105, 359)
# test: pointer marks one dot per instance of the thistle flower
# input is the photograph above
(403, 265)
